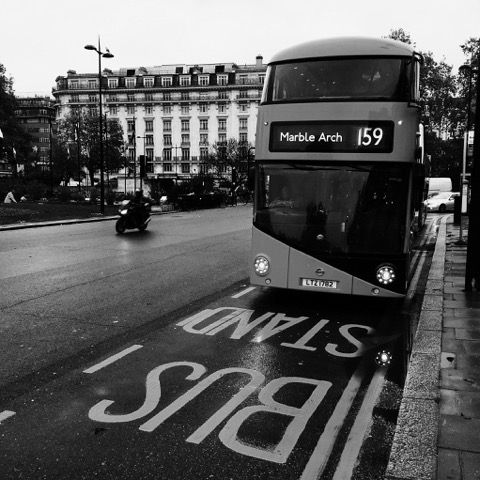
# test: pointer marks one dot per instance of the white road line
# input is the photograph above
(360, 428)
(319, 458)
(6, 414)
(112, 359)
(243, 292)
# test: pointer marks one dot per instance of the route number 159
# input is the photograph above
(368, 136)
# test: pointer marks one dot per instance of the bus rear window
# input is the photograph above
(377, 78)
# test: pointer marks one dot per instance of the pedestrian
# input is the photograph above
(10, 197)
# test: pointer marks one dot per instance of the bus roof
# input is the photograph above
(344, 46)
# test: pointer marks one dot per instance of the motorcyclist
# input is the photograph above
(140, 205)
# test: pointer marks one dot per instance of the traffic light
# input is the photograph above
(142, 165)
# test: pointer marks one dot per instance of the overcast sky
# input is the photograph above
(43, 39)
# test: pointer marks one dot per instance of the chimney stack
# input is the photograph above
(259, 61)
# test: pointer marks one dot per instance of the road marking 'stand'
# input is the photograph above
(243, 292)
(360, 427)
(319, 458)
(6, 414)
(112, 359)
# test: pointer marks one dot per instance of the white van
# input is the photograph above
(439, 184)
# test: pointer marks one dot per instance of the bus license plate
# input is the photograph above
(313, 282)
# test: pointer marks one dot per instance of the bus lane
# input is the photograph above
(259, 384)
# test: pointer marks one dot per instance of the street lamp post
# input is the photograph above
(101, 54)
(144, 161)
(472, 268)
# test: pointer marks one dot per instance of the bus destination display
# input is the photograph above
(341, 137)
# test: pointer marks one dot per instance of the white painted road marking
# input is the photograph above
(244, 292)
(112, 359)
(360, 428)
(6, 414)
(321, 454)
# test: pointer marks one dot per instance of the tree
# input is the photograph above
(231, 156)
(81, 127)
(16, 142)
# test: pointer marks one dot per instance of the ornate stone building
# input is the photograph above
(175, 113)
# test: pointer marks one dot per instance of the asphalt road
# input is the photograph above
(148, 356)
(66, 289)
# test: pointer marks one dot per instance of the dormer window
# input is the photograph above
(222, 79)
(130, 82)
(185, 81)
(203, 80)
(166, 81)
(148, 82)
(112, 82)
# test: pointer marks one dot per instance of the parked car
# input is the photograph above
(441, 202)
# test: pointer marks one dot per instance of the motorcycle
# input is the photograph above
(132, 216)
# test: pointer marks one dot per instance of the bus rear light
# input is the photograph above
(261, 265)
(385, 274)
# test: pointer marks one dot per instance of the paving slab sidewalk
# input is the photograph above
(438, 427)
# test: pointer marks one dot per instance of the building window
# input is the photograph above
(185, 125)
(222, 79)
(222, 124)
(222, 138)
(185, 95)
(242, 79)
(149, 110)
(167, 125)
(261, 79)
(113, 98)
(149, 140)
(74, 84)
(167, 109)
(75, 98)
(223, 95)
(112, 82)
(243, 137)
(185, 168)
(204, 138)
(243, 123)
(166, 81)
(92, 99)
(167, 167)
(130, 82)
(167, 156)
(149, 160)
(167, 97)
(148, 82)
(113, 111)
(204, 124)
(185, 81)
(92, 84)
(130, 125)
(167, 140)
(92, 111)
(149, 97)
(203, 153)
(243, 107)
(203, 108)
(222, 108)
(185, 109)
(149, 125)
(130, 97)
(185, 139)
(203, 80)
(131, 110)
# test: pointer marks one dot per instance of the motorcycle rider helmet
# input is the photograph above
(138, 194)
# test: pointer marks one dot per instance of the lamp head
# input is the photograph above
(107, 55)
(90, 47)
